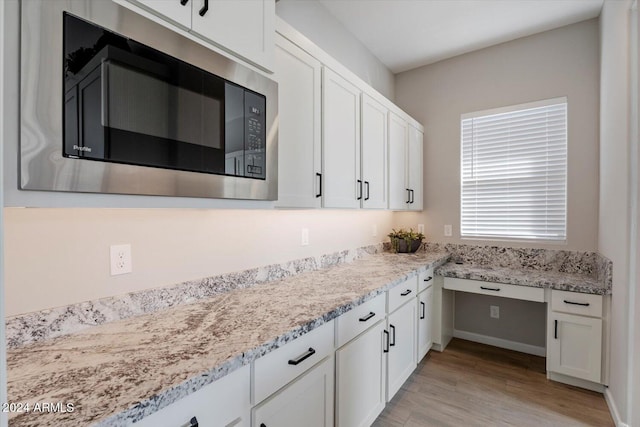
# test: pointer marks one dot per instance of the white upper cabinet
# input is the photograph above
(340, 142)
(244, 28)
(374, 153)
(299, 77)
(405, 164)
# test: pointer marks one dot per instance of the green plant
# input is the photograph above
(409, 236)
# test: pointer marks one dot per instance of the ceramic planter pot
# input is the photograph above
(400, 245)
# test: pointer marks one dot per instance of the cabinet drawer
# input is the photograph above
(224, 402)
(496, 289)
(279, 367)
(576, 303)
(425, 280)
(402, 293)
(359, 319)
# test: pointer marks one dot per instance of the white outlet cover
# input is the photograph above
(120, 259)
(421, 228)
(374, 230)
(304, 238)
(447, 230)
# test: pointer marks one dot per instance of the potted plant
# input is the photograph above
(405, 241)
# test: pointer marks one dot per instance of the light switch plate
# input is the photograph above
(447, 230)
(304, 238)
(421, 228)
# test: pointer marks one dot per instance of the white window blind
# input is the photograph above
(514, 172)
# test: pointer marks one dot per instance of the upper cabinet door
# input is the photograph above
(374, 153)
(342, 186)
(245, 27)
(299, 139)
(415, 168)
(172, 10)
(399, 196)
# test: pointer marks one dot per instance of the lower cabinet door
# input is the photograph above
(425, 310)
(220, 404)
(307, 401)
(360, 379)
(575, 346)
(401, 359)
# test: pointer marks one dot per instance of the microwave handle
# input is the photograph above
(104, 77)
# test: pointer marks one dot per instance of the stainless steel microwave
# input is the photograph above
(112, 102)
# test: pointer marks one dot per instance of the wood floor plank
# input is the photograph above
(472, 384)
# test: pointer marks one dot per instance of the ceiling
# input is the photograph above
(406, 34)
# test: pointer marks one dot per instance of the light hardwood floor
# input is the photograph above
(474, 384)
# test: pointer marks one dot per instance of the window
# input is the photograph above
(514, 172)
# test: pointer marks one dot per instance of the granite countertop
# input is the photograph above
(526, 277)
(121, 371)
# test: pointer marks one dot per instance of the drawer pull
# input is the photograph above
(584, 304)
(428, 279)
(393, 343)
(204, 9)
(423, 305)
(302, 357)
(184, 2)
(484, 288)
(263, 425)
(405, 293)
(319, 193)
(193, 422)
(555, 332)
(367, 317)
(386, 344)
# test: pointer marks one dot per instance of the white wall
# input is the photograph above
(634, 351)
(313, 20)
(561, 62)
(614, 221)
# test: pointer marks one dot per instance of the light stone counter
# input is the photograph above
(121, 371)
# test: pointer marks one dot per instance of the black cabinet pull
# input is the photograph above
(489, 289)
(193, 422)
(405, 293)
(360, 187)
(366, 183)
(423, 305)
(307, 354)
(184, 2)
(263, 425)
(319, 175)
(393, 343)
(428, 279)
(584, 304)
(411, 194)
(204, 9)
(555, 332)
(408, 196)
(386, 346)
(367, 317)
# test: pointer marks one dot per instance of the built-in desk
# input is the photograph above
(577, 314)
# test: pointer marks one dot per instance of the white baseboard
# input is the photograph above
(499, 342)
(613, 408)
(577, 382)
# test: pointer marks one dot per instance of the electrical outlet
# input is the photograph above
(304, 237)
(494, 311)
(121, 259)
(421, 228)
(447, 230)
(374, 230)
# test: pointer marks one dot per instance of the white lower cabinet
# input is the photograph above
(401, 358)
(360, 378)
(307, 401)
(220, 404)
(425, 311)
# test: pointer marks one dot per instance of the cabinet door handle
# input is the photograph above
(193, 422)
(184, 2)
(584, 304)
(489, 289)
(411, 194)
(359, 188)
(319, 175)
(386, 344)
(555, 329)
(367, 317)
(304, 356)
(428, 279)
(263, 425)
(405, 293)
(423, 305)
(408, 196)
(204, 9)
(393, 328)
(366, 183)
